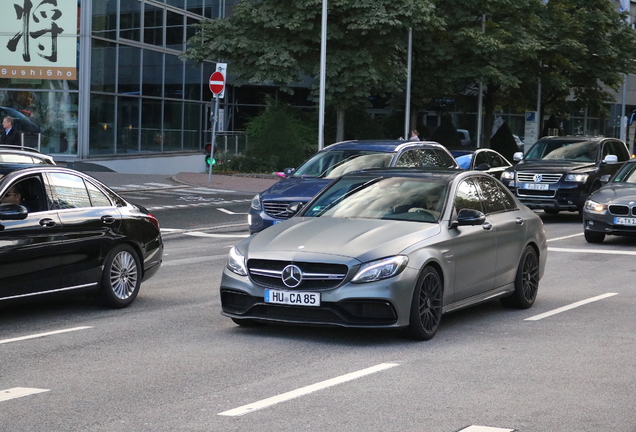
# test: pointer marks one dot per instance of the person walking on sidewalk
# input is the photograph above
(9, 135)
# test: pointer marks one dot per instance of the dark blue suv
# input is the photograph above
(300, 185)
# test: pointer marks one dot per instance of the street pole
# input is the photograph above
(214, 121)
(481, 93)
(323, 72)
(407, 109)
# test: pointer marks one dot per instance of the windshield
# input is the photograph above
(397, 198)
(627, 174)
(584, 151)
(332, 164)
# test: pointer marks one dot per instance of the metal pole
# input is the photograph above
(216, 113)
(323, 71)
(481, 93)
(623, 132)
(407, 109)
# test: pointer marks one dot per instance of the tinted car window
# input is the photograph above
(617, 149)
(564, 149)
(495, 161)
(627, 174)
(467, 196)
(98, 199)
(481, 158)
(68, 191)
(496, 198)
(332, 164)
(436, 158)
(409, 159)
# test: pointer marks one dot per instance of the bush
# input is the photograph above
(446, 133)
(503, 142)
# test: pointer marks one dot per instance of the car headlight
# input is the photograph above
(256, 202)
(577, 178)
(380, 269)
(595, 207)
(236, 262)
(508, 175)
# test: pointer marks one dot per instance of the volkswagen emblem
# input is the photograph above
(292, 276)
(537, 178)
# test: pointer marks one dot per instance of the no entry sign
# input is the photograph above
(217, 80)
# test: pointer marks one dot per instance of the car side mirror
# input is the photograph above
(517, 156)
(293, 208)
(469, 217)
(610, 159)
(605, 178)
(13, 212)
(483, 167)
(288, 172)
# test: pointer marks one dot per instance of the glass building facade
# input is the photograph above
(133, 94)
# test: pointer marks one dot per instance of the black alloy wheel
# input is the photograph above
(526, 281)
(426, 307)
(121, 277)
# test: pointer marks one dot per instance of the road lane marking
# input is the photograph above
(16, 392)
(596, 251)
(570, 306)
(39, 335)
(230, 212)
(245, 409)
(565, 237)
(474, 428)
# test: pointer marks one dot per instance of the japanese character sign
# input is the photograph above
(39, 40)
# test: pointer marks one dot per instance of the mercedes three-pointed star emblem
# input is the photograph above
(292, 276)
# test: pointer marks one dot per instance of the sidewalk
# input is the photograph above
(236, 183)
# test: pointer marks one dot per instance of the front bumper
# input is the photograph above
(562, 196)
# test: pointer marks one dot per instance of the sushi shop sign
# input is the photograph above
(38, 39)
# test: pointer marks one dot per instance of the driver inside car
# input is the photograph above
(13, 196)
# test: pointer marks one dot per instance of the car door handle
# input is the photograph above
(487, 226)
(519, 221)
(46, 222)
(108, 219)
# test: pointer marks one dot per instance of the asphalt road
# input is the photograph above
(171, 362)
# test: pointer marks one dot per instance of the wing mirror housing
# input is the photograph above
(13, 212)
(605, 178)
(517, 156)
(293, 208)
(289, 171)
(610, 159)
(469, 217)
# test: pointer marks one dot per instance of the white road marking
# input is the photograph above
(16, 392)
(39, 335)
(230, 212)
(565, 237)
(571, 306)
(245, 409)
(595, 251)
(484, 429)
(202, 234)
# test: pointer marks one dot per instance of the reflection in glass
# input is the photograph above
(130, 20)
(102, 125)
(103, 57)
(174, 77)
(174, 30)
(129, 68)
(128, 125)
(152, 73)
(192, 126)
(151, 119)
(153, 25)
(172, 125)
(105, 19)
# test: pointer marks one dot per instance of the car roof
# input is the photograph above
(439, 174)
(388, 146)
(10, 147)
(8, 168)
(574, 138)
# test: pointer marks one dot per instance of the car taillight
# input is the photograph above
(153, 220)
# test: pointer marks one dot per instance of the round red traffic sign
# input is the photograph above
(217, 82)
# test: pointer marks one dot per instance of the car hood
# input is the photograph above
(553, 166)
(295, 189)
(361, 239)
(615, 193)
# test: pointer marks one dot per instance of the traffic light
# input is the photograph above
(209, 160)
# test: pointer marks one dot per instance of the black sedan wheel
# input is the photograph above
(526, 281)
(121, 277)
(594, 237)
(426, 307)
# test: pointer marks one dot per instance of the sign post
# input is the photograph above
(531, 129)
(217, 87)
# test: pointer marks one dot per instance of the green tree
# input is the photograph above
(272, 41)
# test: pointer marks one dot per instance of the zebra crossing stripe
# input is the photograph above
(16, 392)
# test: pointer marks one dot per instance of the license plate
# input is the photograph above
(292, 298)
(624, 221)
(536, 186)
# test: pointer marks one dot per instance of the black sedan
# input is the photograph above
(389, 248)
(611, 210)
(62, 231)
(484, 159)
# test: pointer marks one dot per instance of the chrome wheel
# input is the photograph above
(426, 308)
(124, 275)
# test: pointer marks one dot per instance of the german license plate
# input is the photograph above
(292, 298)
(624, 221)
(536, 186)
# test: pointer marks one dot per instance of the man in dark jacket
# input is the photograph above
(9, 135)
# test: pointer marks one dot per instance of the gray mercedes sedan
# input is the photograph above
(389, 248)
